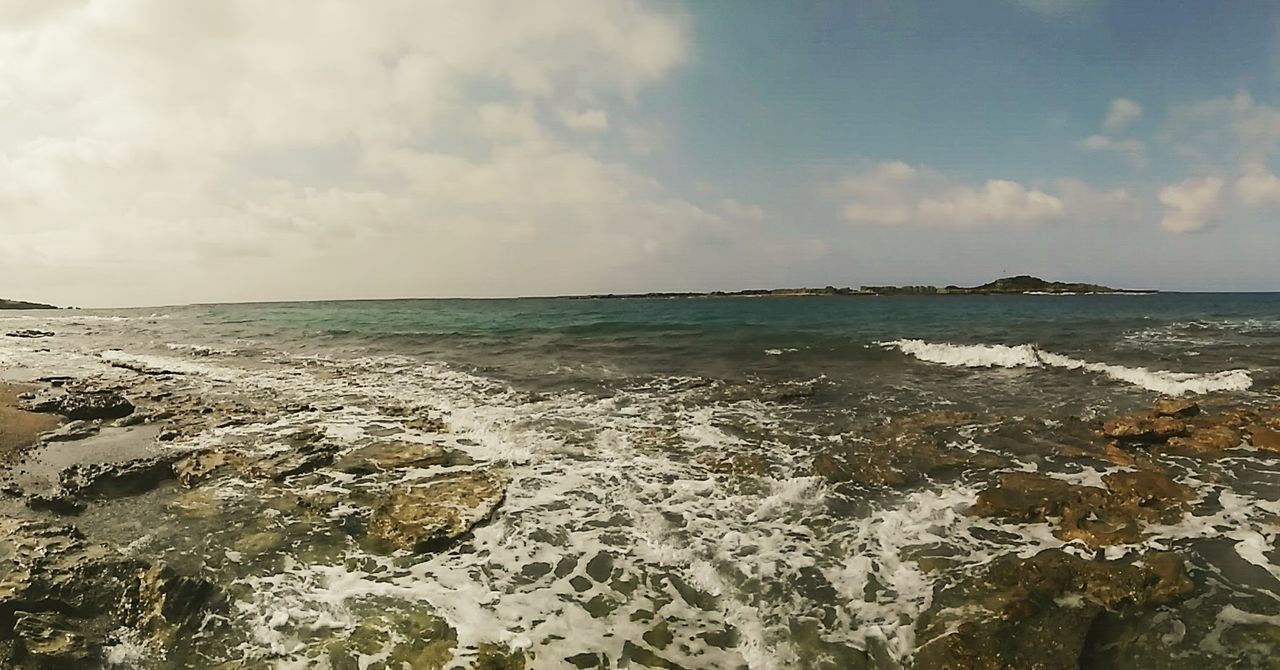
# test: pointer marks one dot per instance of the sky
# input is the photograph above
(156, 152)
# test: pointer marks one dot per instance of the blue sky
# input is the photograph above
(310, 149)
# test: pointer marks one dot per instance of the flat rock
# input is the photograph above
(80, 404)
(75, 430)
(424, 517)
(1264, 439)
(1144, 428)
(1207, 440)
(195, 468)
(1038, 612)
(398, 455)
(1177, 407)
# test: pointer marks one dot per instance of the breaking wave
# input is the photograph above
(1030, 356)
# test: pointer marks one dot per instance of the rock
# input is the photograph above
(303, 459)
(30, 333)
(424, 517)
(1264, 439)
(123, 478)
(56, 503)
(76, 430)
(46, 639)
(1094, 516)
(1038, 612)
(1144, 428)
(167, 605)
(81, 404)
(1176, 407)
(1208, 440)
(398, 455)
(194, 468)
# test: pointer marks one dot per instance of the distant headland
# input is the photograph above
(19, 304)
(1019, 285)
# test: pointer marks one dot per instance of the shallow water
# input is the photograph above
(663, 500)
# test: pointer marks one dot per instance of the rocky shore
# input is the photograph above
(81, 453)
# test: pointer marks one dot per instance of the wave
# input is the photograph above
(1030, 356)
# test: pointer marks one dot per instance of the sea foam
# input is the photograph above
(1029, 356)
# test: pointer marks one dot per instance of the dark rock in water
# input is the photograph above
(1094, 516)
(1039, 612)
(1149, 429)
(398, 455)
(1177, 407)
(301, 460)
(30, 333)
(194, 468)
(424, 517)
(62, 598)
(81, 404)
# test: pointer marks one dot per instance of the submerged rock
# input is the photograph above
(1038, 612)
(397, 455)
(424, 517)
(1094, 516)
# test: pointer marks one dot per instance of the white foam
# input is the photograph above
(1029, 356)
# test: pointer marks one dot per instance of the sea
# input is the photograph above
(664, 506)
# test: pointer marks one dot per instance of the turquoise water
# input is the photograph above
(677, 442)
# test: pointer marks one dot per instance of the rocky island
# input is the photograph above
(1019, 285)
(21, 304)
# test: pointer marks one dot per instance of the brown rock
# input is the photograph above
(1264, 439)
(1177, 407)
(1208, 440)
(1144, 428)
(1038, 612)
(423, 517)
(196, 467)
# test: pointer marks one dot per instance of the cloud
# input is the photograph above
(1257, 186)
(1225, 131)
(1190, 205)
(1120, 114)
(1135, 151)
(322, 148)
(586, 121)
(736, 210)
(898, 194)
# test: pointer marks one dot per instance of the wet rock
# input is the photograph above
(1095, 516)
(1207, 440)
(115, 479)
(48, 640)
(30, 333)
(306, 458)
(194, 468)
(748, 464)
(1264, 439)
(424, 517)
(1038, 612)
(426, 424)
(81, 404)
(1149, 429)
(1176, 407)
(398, 455)
(76, 430)
(167, 606)
(57, 503)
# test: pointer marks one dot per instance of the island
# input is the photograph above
(1019, 285)
(20, 304)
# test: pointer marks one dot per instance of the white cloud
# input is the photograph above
(586, 120)
(737, 210)
(1120, 114)
(1257, 186)
(1088, 205)
(328, 148)
(897, 194)
(1135, 151)
(1190, 205)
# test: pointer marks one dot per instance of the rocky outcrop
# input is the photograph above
(425, 517)
(77, 405)
(30, 333)
(1039, 612)
(1095, 516)
(63, 598)
(398, 455)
